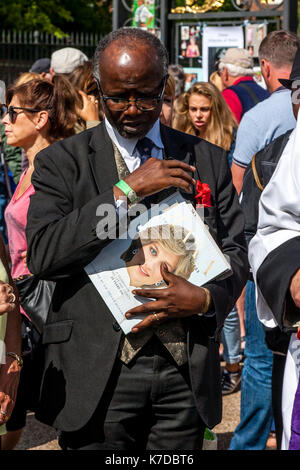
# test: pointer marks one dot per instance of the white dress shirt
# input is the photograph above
(127, 148)
(128, 151)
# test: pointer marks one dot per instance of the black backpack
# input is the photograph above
(257, 175)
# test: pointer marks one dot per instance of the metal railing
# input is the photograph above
(20, 49)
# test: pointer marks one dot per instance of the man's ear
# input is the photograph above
(226, 75)
(265, 64)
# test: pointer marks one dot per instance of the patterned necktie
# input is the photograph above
(144, 147)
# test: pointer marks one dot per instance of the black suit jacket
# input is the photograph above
(72, 178)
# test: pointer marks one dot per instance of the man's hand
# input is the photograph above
(8, 299)
(155, 175)
(180, 299)
(9, 381)
(295, 288)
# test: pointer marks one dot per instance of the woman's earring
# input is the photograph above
(134, 252)
(159, 283)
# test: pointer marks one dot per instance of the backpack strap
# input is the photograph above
(250, 91)
(255, 174)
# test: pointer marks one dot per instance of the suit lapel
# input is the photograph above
(176, 148)
(103, 165)
(101, 159)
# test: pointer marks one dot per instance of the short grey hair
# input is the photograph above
(130, 36)
(235, 70)
(279, 48)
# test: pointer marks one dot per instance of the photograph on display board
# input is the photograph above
(214, 56)
(190, 42)
(192, 75)
(143, 14)
(254, 34)
(215, 42)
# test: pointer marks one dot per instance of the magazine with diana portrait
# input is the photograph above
(174, 234)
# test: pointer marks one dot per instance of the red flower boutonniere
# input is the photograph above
(203, 195)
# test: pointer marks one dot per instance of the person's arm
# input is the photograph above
(10, 371)
(63, 240)
(247, 144)
(237, 176)
(278, 279)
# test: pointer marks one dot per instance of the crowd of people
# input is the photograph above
(78, 133)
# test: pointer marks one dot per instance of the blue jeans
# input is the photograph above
(231, 338)
(256, 389)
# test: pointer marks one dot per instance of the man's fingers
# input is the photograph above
(167, 276)
(179, 164)
(149, 293)
(149, 307)
(151, 320)
(179, 173)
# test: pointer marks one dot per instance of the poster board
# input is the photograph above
(216, 40)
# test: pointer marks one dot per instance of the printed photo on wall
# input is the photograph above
(192, 75)
(190, 41)
(143, 14)
(254, 34)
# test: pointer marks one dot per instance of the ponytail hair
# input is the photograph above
(58, 98)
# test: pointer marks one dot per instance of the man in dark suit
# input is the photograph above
(158, 387)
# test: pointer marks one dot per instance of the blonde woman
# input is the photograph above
(202, 111)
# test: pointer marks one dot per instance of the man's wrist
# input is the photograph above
(207, 303)
(128, 191)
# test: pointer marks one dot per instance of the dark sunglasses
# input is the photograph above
(12, 113)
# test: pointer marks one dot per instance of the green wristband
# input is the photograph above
(127, 190)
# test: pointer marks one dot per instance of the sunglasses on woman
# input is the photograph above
(12, 113)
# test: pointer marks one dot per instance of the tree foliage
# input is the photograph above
(56, 16)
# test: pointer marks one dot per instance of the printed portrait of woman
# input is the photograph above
(169, 244)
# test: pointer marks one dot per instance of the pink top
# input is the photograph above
(16, 220)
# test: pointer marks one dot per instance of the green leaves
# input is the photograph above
(56, 17)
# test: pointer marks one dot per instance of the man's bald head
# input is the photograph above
(132, 38)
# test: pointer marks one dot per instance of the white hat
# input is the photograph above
(238, 56)
(67, 59)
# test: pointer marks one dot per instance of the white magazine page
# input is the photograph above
(171, 233)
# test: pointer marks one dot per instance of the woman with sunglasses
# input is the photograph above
(38, 114)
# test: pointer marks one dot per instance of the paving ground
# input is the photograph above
(37, 436)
